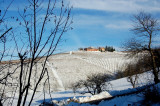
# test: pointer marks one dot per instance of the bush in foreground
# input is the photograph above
(94, 84)
(151, 96)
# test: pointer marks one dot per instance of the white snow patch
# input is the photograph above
(102, 95)
(57, 77)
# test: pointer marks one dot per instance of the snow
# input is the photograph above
(125, 100)
(119, 87)
(56, 76)
(102, 95)
(119, 101)
(67, 69)
(81, 64)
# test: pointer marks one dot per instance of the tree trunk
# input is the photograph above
(98, 89)
(155, 72)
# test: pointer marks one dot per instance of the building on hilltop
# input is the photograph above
(91, 49)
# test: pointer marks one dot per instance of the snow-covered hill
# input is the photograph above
(80, 64)
(67, 68)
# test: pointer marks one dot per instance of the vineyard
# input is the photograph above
(76, 66)
(68, 68)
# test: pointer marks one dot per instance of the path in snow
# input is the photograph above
(56, 77)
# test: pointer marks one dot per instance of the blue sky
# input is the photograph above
(106, 22)
(100, 22)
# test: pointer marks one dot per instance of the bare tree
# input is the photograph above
(4, 30)
(132, 71)
(4, 51)
(41, 27)
(94, 84)
(146, 27)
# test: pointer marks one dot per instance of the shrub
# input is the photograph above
(120, 74)
(94, 84)
(151, 96)
(133, 70)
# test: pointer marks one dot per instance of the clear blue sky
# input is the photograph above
(101, 22)
(106, 22)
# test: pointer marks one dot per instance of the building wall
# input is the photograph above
(88, 49)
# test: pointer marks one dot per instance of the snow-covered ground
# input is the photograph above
(119, 86)
(68, 68)
(80, 64)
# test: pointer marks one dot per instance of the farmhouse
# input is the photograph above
(91, 49)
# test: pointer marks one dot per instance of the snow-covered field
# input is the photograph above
(80, 64)
(123, 88)
(66, 69)
(119, 86)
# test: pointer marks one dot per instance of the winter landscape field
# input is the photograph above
(79, 64)
(65, 69)
(79, 53)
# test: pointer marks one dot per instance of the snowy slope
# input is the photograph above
(66, 69)
(80, 64)
(119, 87)
(123, 94)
